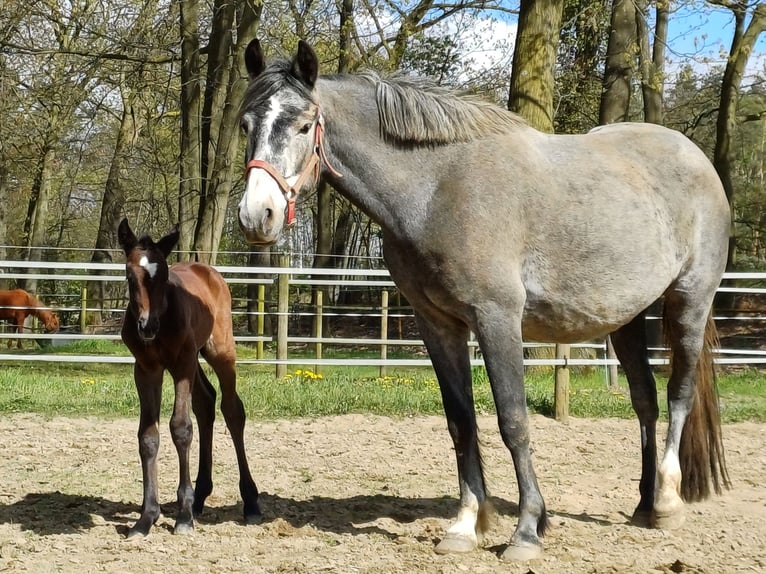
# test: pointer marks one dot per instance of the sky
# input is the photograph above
(701, 37)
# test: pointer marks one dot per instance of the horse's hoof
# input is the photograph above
(520, 553)
(136, 534)
(642, 518)
(255, 518)
(670, 521)
(454, 544)
(183, 528)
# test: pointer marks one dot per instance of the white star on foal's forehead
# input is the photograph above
(149, 266)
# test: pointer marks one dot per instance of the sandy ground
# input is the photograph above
(355, 494)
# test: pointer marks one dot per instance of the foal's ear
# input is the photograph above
(167, 243)
(254, 60)
(126, 237)
(305, 65)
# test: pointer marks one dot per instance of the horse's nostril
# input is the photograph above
(268, 213)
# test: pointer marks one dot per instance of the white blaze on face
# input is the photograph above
(151, 268)
(262, 194)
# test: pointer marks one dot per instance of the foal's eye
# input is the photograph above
(243, 127)
(306, 127)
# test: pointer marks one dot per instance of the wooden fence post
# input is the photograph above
(383, 331)
(611, 370)
(283, 305)
(318, 331)
(83, 308)
(561, 394)
(259, 320)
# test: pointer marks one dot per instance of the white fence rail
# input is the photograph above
(294, 279)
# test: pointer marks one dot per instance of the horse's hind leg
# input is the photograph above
(448, 350)
(203, 405)
(149, 387)
(234, 414)
(630, 345)
(693, 449)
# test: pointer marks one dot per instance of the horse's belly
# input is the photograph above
(560, 321)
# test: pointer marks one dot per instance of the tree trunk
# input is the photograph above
(652, 59)
(220, 137)
(618, 69)
(37, 214)
(534, 62)
(741, 47)
(190, 186)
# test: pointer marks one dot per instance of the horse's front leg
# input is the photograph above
(499, 334)
(149, 387)
(447, 347)
(181, 431)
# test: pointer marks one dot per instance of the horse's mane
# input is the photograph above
(417, 111)
(412, 110)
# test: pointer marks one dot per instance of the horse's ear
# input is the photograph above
(167, 243)
(254, 60)
(305, 65)
(126, 237)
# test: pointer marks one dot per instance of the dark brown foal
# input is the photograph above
(174, 314)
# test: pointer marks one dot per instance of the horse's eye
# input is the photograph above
(306, 127)
(243, 127)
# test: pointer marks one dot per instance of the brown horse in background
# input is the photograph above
(16, 305)
(173, 315)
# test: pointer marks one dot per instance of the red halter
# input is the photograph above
(312, 164)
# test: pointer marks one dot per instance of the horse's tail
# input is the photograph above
(701, 452)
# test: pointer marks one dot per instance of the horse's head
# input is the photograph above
(282, 123)
(51, 323)
(146, 268)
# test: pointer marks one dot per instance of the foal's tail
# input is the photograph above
(701, 450)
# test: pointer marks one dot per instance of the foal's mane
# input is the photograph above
(417, 111)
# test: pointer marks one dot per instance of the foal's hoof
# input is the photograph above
(669, 521)
(253, 518)
(520, 553)
(454, 544)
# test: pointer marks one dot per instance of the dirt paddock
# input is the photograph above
(354, 494)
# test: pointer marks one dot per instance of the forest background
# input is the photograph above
(111, 109)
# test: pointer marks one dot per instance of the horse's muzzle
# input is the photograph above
(266, 234)
(148, 329)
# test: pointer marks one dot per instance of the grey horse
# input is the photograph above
(493, 227)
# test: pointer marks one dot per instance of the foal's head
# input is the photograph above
(146, 268)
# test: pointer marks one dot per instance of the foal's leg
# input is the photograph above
(499, 334)
(181, 431)
(446, 344)
(203, 405)
(630, 345)
(149, 387)
(234, 415)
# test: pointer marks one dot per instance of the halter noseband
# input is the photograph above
(312, 164)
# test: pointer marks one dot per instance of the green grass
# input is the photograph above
(107, 390)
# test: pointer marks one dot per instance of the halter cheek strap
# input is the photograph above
(312, 165)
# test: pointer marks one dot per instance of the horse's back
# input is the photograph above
(202, 281)
(14, 297)
(588, 230)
